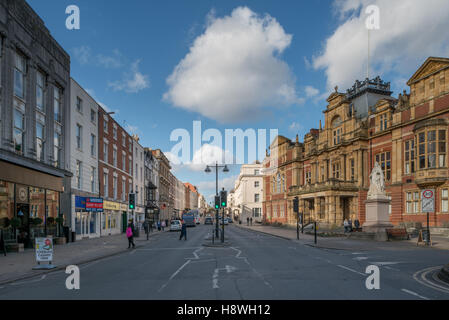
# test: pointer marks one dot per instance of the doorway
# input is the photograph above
(346, 204)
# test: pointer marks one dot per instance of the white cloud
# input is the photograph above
(133, 81)
(227, 183)
(295, 126)
(82, 54)
(234, 70)
(311, 91)
(131, 129)
(410, 31)
(112, 61)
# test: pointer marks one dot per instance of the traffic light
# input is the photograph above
(217, 202)
(224, 200)
(132, 201)
(296, 205)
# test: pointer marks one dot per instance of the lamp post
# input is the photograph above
(208, 170)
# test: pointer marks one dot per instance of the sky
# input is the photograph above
(162, 66)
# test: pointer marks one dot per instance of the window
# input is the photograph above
(279, 183)
(409, 157)
(256, 197)
(114, 157)
(256, 172)
(105, 125)
(322, 173)
(130, 146)
(79, 136)
(432, 149)
(40, 92)
(105, 184)
(336, 123)
(444, 200)
(124, 141)
(352, 165)
(383, 119)
(79, 104)
(40, 136)
(273, 185)
(256, 212)
(124, 161)
(123, 190)
(114, 132)
(19, 127)
(308, 176)
(256, 184)
(275, 213)
(384, 160)
(105, 151)
(57, 145)
(57, 104)
(93, 116)
(337, 136)
(413, 202)
(93, 174)
(78, 173)
(281, 207)
(114, 187)
(93, 140)
(19, 76)
(336, 170)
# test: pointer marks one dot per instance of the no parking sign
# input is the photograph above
(428, 200)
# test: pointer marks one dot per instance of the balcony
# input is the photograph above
(330, 185)
(431, 177)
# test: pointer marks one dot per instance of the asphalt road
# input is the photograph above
(255, 266)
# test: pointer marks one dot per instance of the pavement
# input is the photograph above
(18, 265)
(343, 243)
(255, 266)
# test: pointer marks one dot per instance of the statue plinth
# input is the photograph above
(377, 216)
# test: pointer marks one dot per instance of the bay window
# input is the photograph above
(432, 149)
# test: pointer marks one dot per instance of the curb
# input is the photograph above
(37, 274)
(267, 233)
(444, 274)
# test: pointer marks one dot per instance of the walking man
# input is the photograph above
(183, 231)
(247, 221)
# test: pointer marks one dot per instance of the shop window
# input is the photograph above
(384, 160)
(409, 157)
(6, 201)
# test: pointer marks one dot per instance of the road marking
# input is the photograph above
(29, 281)
(391, 268)
(228, 269)
(239, 252)
(174, 275)
(415, 294)
(156, 249)
(352, 270)
(360, 258)
(320, 258)
(424, 281)
(387, 263)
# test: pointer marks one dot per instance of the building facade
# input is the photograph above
(34, 123)
(163, 187)
(115, 169)
(151, 186)
(83, 160)
(247, 196)
(139, 180)
(329, 172)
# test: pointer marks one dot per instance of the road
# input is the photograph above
(255, 266)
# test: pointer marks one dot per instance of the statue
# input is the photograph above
(377, 182)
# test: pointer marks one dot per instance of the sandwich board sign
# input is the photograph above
(428, 200)
(44, 252)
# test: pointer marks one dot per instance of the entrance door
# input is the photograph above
(85, 225)
(24, 231)
(345, 202)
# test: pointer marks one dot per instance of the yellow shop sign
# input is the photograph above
(108, 205)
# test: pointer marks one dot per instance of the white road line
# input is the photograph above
(414, 294)
(360, 258)
(157, 249)
(29, 281)
(423, 273)
(174, 275)
(349, 269)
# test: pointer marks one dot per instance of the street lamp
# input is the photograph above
(208, 170)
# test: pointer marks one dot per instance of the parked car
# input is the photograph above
(230, 220)
(208, 220)
(175, 225)
(225, 221)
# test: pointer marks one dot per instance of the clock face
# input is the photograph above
(23, 195)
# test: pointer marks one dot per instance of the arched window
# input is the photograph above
(279, 183)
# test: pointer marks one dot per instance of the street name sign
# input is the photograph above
(428, 200)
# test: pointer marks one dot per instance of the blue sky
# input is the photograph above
(280, 62)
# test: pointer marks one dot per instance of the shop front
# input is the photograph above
(87, 217)
(110, 218)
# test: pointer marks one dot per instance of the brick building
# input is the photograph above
(115, 168)
(329, 171)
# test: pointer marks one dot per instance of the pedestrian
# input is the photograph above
(163, 225)
(158, 226)
(247, 221)
(183, 231)
(346, 225)
(350, 225)
(129, 235)
(357, 224)
(251, 221)
(146, 227)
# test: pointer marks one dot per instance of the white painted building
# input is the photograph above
(138, 180)
(246, 200)
(84, 160)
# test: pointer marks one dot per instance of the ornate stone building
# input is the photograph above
(329, 172)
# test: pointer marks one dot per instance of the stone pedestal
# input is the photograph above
(377, 217)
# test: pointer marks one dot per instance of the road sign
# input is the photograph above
(428, 200)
